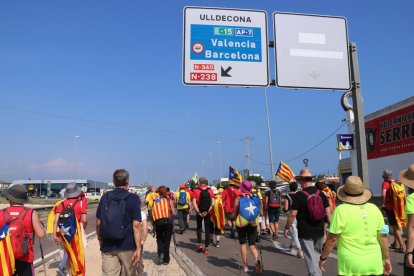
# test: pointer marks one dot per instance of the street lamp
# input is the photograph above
(219, 144)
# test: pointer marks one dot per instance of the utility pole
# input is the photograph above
(247, 141)
(358, 109)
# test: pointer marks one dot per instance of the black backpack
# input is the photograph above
(67, 216)
(114, 224)
(274, 199)
(205, 200)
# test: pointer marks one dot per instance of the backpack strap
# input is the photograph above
(306, 193)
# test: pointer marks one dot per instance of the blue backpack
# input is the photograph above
(182, 200)
(249, 211)
(114, 223)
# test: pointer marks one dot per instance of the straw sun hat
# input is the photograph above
(354, 191)
(407, 177)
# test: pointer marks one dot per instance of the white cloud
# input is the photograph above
(58, 165)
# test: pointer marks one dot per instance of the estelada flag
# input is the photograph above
(72, 242)
(284, 172)
(217, 214)
(398, 203)
(51, 218)
(234, 176)
(7, 265)
(160, 209)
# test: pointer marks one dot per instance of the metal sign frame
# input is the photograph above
(345, 47)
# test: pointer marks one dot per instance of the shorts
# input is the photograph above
(391, 217)
(273, 214)
(247, 234)
(24, 269)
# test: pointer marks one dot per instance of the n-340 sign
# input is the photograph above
(225, 47)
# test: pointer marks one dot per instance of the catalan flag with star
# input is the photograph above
(284, 172)
(71, 234)
(7, 265)
(234, 176)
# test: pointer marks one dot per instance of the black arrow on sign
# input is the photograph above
(225, 73)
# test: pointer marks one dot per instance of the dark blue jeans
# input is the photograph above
(182, 218)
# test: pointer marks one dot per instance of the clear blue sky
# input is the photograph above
(110, 72)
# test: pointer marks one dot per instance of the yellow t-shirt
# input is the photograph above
(359, 252)
(177, 196)
(409, 206)
(150, 199)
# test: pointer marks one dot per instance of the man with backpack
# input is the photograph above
(23, 225)
(273, 204)
(203, 202)
(183, 201)
(118, 226)
(247, 209)
(74, 205)
(309, 207)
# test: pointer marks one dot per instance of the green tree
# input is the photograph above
(223, 184)
(257, 179)
(320, 177)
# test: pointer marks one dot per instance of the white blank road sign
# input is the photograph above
(225, 47)
(311, 51)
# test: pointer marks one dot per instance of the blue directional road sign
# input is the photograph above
(225, 47)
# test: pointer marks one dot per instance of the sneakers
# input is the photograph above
(245, 268)
(217, 244)
(205, 252)
(258, 267)
(200, 248)
(211, 242)
(299, 254)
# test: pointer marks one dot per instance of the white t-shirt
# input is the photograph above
(143, 216)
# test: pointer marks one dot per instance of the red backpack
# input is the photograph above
(315, 207)
(18, 237)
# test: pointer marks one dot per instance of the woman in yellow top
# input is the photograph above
(359, 229)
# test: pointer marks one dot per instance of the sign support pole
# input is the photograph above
(361, 146)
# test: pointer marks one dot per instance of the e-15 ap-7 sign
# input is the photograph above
(225, 47)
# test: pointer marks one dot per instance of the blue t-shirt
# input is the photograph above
(133, 212)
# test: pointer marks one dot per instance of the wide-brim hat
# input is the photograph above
(214, 189)
(354, 191)
(262, 186)
(305, 174)
(406, 177)
(16, 193)
(72, 190)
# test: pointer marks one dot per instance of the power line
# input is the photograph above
(309, 150)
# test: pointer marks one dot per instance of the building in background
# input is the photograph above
(390, 143)
(52, 187)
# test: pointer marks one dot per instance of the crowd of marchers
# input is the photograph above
(318, 220)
